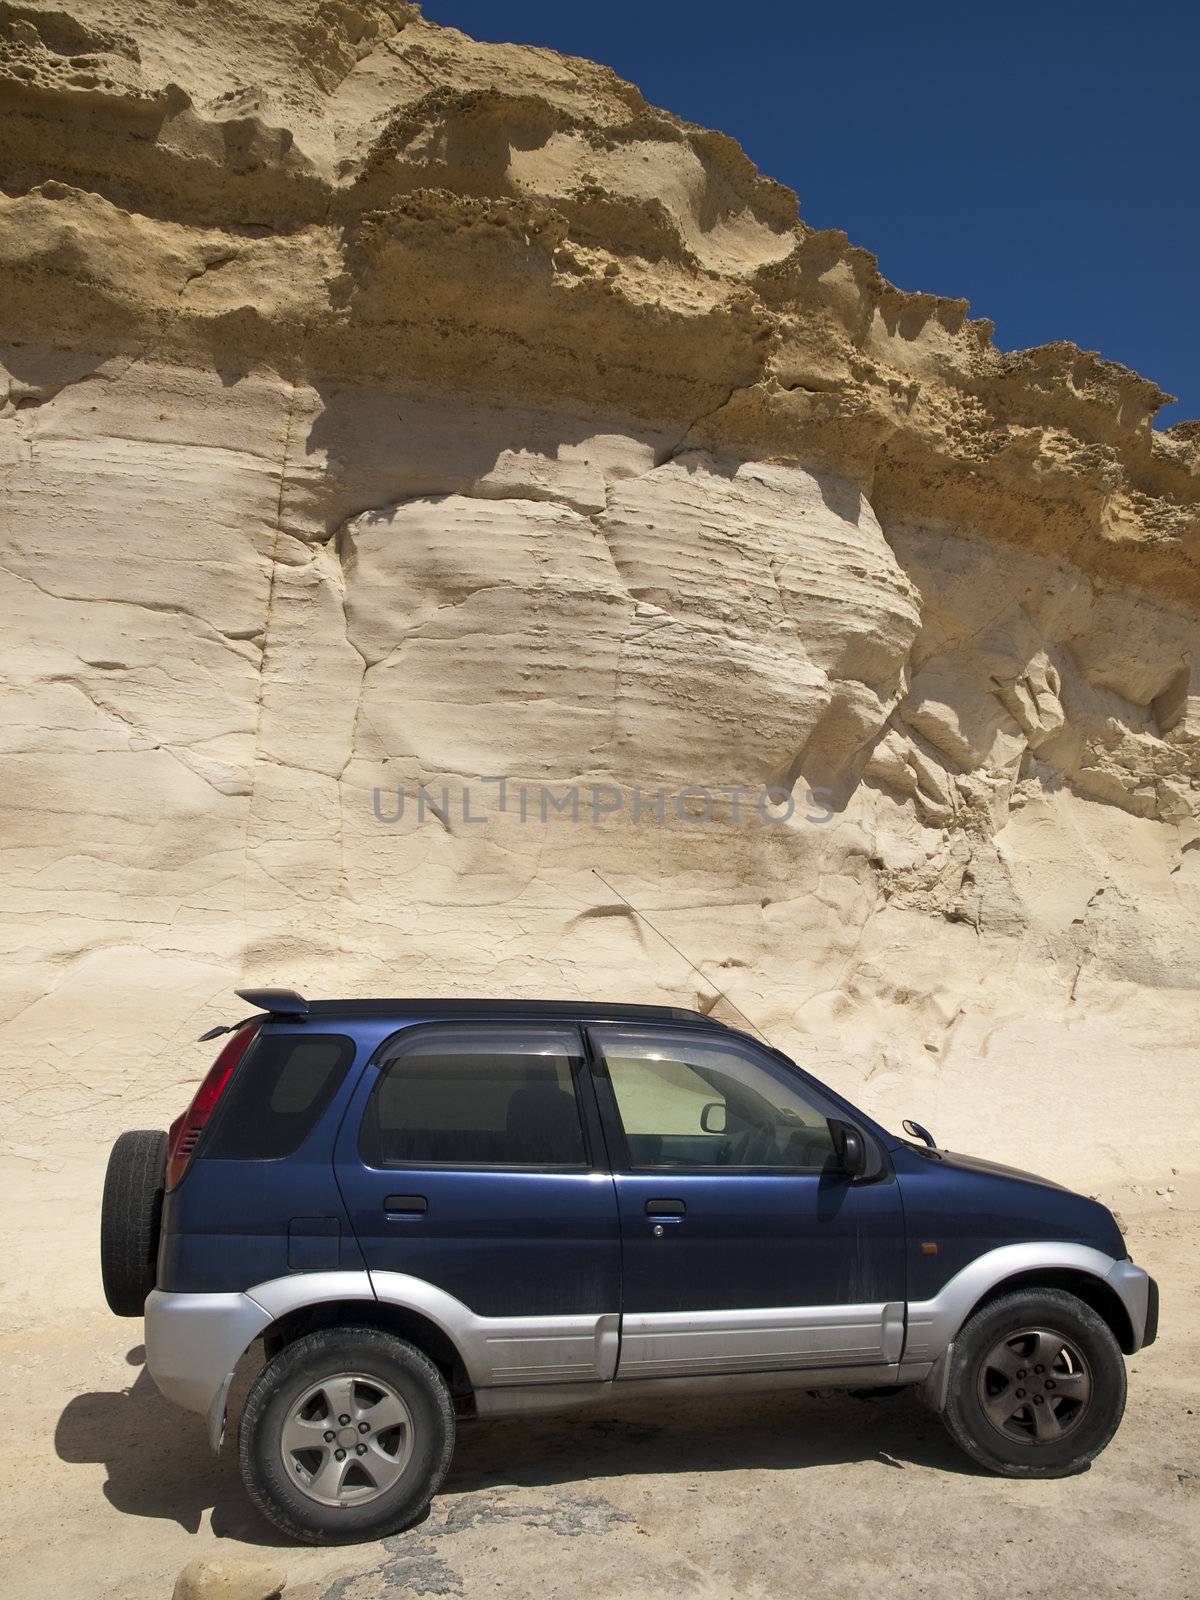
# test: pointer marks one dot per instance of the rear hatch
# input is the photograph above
(250, 1187)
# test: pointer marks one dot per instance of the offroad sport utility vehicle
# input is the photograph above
(426, 1209)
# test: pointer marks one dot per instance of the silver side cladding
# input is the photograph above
(678, 1343)
(511, 1350)
(298, 1289)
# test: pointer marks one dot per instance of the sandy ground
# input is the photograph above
(111, 1490)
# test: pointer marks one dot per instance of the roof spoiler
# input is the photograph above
(279, 1002)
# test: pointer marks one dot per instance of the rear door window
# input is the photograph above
(278, 1095)
(478, 1095)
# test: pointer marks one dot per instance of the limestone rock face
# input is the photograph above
(430, 475)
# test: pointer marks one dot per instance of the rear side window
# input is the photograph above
(478, 1095)
(278, 1095)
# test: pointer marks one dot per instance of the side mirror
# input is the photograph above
(919, 1132)
(849, 1147)
(713, 1118)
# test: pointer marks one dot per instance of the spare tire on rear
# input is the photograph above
(130, 1217)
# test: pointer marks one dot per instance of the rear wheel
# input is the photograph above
(1036, 1385)
(345, 1435)
(130, 1219)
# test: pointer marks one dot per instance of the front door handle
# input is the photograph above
(406, 1205)
(666, 1208)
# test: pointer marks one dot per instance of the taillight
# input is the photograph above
(186, 1130)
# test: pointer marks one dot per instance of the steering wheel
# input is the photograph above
(754, 1148)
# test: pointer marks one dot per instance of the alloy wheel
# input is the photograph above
(347, 1439)
(1035, 1386)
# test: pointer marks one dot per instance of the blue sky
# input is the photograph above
(1039, 160)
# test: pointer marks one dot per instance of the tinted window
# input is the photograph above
(689, 1101)
(478, 1096)
(278, 1095)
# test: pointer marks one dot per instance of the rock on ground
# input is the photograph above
(207, 1579)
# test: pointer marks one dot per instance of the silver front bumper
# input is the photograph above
(1132, 1286)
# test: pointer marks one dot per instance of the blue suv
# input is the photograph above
(429, 1210)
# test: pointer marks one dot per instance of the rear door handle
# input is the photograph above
(666, 1208)
(406, 1205)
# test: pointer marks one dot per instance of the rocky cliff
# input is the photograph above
(386, 413)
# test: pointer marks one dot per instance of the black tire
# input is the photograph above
(1075, 1425)
(371, 1356)
(130, 1220)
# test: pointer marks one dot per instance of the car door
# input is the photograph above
(472, 1168)
(744, 1246)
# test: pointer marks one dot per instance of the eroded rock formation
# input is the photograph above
(387, 411)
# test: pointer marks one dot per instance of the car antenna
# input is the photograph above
(703, 975)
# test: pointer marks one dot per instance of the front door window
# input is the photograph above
(686, 1101)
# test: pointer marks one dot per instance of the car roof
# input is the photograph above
(288, 1003)
(592, 1009)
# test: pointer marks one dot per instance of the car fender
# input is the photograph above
(933, 1323)
(194, 1341)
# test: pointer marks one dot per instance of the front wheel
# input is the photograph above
(1036, 1385)
(345, 1435)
